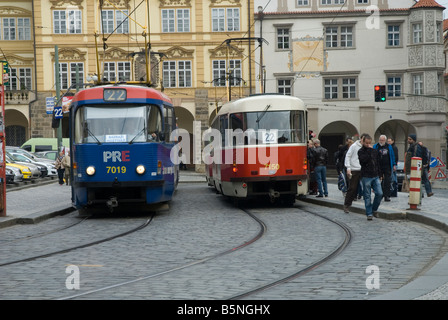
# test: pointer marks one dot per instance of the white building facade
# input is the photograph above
(332, 53)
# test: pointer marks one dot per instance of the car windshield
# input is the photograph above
(400, 165)
(117, 123)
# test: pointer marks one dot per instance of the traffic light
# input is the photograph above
(380, 93)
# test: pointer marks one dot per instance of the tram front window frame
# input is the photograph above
(290, 125)
(118, 123)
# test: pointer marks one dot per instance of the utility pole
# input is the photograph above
(2, 145)
(58, 94)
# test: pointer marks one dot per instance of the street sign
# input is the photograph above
(49, 102)
(58, 112)
(439, 163)
(433, 162)
(440, 175)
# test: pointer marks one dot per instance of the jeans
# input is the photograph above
(368, 184)
(425, 180)
(321, 178)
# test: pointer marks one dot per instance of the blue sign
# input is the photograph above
(433, 162)
(58, 112)
(49, 101)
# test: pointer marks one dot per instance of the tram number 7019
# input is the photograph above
(115, 170)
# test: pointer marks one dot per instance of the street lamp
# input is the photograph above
(260, 17)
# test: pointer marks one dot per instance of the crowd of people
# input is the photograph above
(364, 167)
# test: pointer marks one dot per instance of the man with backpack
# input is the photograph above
(426, 159)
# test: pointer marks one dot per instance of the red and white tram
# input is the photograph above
(260, 149)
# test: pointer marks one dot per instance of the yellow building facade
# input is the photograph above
(193, 43)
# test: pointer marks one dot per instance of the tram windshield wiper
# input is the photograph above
(137, 135)
(91, 134)
(262, 114)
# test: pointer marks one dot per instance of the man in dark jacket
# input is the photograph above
(387, 163)
(370, 173)
(320, 160)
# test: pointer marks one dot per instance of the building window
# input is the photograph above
(219, 72)
(346, 37)
(19, 79)
(302, 2)
(67, 73)
(177, 74)
(225, 19)
(283, 41)
(184, 72)
(417, 33)
(284, 86)
(171, 16)
(329, 2)
(339, 36)
(235, 72)
(417, 84)
(394, 86)
(341, 88)
(67, 21)
(348, 88)
(363, 1)
(117, 71)
(9, 29)
(331, 88)
(393, 36)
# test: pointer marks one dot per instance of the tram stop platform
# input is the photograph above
(36, 202)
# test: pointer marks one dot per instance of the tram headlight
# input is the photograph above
(90, 170)
(140, 169)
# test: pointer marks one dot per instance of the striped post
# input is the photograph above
(415, 182)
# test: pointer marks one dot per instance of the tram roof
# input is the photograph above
(256, 103)
(135, 94)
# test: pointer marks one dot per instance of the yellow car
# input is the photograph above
(24, 169)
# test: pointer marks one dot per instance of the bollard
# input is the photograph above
(415, 182)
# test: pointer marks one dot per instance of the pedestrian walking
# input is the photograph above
(60, 167)
(393, 177)
(320, 161)
(312, 189)
(414, 150)
(426, 159)
(370, 175)
(67, 167)
(353, 168)
(387, 164)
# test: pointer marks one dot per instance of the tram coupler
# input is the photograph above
(112, 203)
(273, 195)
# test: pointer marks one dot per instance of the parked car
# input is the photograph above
(24, 159)
(400, 174)
(28, 154)
(35, 170)
(51, 169)
(25, 170)
(18, 175)
(9, 176)
(51, 155)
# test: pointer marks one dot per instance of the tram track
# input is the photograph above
(42, 234)
(85, 245)
(262, 231)
(259, 235)
(338, 250)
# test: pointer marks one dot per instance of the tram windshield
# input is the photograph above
(117, 123)
(270, 126)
